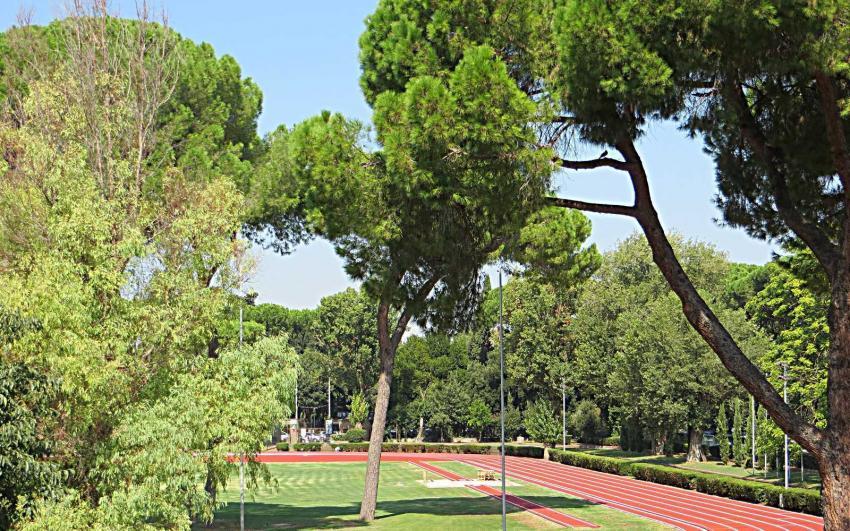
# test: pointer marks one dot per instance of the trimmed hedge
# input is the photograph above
(354, 435)
(801, 500)
(300, 447)
(535, 452)
(610, 465)
(611, 441)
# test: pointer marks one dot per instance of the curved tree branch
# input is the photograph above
(602, 162)
(602, 208)
(703, 320)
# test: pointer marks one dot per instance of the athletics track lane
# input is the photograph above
(684, 509)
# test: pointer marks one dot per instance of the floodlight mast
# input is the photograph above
(502, 400)
(241, 457)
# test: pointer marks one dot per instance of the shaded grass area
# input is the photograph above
(327, 496)
(606, 518)
(812, 478)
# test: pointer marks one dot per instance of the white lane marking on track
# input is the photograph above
(698, 497)
(621, 484)
(656, 517)
(799, 520)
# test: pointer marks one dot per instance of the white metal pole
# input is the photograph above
(502, 402)
(241, 457)
(753, 431)
(785, 397)
(241, 492)
(563, 415)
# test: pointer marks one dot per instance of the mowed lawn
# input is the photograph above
(327, 496)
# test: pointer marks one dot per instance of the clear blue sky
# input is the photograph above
(303, 55)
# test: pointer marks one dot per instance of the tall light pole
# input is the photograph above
(241, 457)
(563, 414)
(753, 431)
(785, 397)
(502, 401)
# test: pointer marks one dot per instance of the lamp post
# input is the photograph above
(502, 401)
(785, 398)
(563, 414)
(753, 431)
(241, 457)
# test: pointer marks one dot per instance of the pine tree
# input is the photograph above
(723, 433)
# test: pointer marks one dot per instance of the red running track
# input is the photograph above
(684, 509)
(530, 506)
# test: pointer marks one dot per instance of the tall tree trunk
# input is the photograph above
(420, 434)
(835, 490)
(373, 465)
(834, 463)
(695, 453)
(387, 344)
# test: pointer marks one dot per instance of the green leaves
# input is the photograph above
(541, 424)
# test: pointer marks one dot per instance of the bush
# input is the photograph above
(535, 452)
(307, 447)
(611, 465)
(611, 441)
(586, 421)
(541, 424)
(802, 500)
(359, 409)
(354, 435)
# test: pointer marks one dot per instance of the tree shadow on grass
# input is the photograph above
(285, 516)
(472, 506)
(270, 516)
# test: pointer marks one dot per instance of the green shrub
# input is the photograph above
(353, 447)
(354, 435)
(541, 424)
(611, 441)
(611, 465)
(307, 447)
(586, 422)
(535, 452)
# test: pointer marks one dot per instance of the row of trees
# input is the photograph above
(616, 343)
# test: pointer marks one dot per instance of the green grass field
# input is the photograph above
(812, 479)
(326, 496)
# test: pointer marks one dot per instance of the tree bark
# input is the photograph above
(835, 491)
(420, 435)
(373, 465)
(387, 345)
(695, 453)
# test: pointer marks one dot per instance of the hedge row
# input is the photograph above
(513, 450)
(300, 447)
(802, 500)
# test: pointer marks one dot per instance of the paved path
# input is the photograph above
(684, 509)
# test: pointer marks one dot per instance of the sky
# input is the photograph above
(303, 55)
